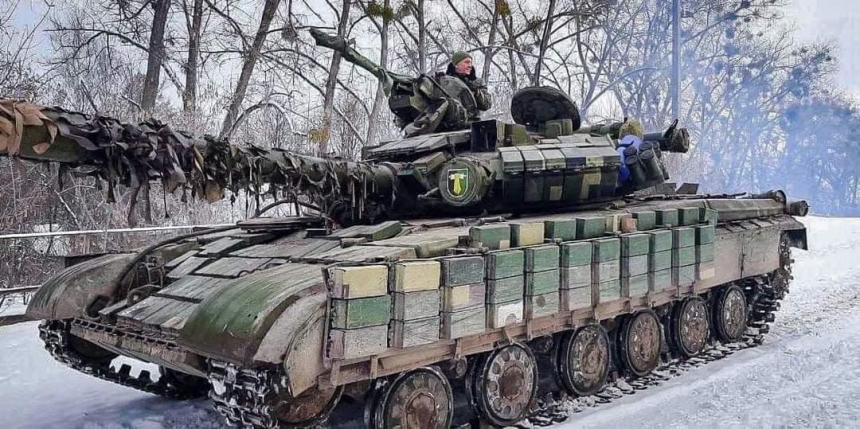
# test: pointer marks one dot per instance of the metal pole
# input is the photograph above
(676, 59)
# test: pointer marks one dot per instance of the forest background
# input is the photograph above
(763, 110)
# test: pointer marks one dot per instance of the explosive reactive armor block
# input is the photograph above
(494, 237)
(667, 217)
(542, 282)
(353, 343)
(464, 322)
(576, 254)
(462, 270)
(358, 282)
(412, 333)
(505, 290)
(415, 305)
(361, 312)
(645, 220)
(574, 299)
(503, 264)
(414, 276)
(563, 229)
(503, 314)
(526, 233)
(541, 258)
(541, 305)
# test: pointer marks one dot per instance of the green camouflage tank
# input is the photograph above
(436, 281)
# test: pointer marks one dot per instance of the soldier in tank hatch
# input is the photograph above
(452, 111)
(461, 66)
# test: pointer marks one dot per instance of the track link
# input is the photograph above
(55, 334)
(244, 396)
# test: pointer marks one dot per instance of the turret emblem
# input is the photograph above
(458, 182)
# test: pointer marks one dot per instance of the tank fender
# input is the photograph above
(68, 293)
(296, 342)
(231, 323)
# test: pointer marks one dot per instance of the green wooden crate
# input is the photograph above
(462, 270)
(574, 299)
(494, 236)
(635, 244)
(660, 280)
(705, 253)
(576, 254)
(609, 290)
(609, 270)
(709, 216)
(684, 276)
(683, 237)
(415, 305)
(360, 313)
(541, 305)
(503, 264)
(634, 266)
(542, 258)
(458, 324)
(542, 282)
(356, 343)
(411, 333)
(705, 234)
(575, 277)
(526, 233)
(563, 229)
(661, 240)
(645, 220)
(636, 285)
(504, 314)
(607, 249)
(683, 256)
(688, 216)
(505, 290)
(590, 227)
(667, 217)
(660, 261)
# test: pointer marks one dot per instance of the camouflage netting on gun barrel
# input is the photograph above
(131, 155)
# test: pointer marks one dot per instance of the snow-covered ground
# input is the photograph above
(807, 374)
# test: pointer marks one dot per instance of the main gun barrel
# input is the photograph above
(130, 154)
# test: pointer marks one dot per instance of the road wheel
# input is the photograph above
(583, 359)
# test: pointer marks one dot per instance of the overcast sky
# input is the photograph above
(837, 21)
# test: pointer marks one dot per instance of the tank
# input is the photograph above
(440, 280)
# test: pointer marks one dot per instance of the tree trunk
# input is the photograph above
(251, 57)
(373, 125)
(331, 82)
(547, 32)
(422, 38)
(491, 41)
(156, 56)
(189, 98)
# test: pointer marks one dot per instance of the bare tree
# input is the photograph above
(156, 55)
(251, 56)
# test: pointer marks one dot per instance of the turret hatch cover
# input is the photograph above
(537, 104)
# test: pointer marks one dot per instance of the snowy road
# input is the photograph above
(807, 374)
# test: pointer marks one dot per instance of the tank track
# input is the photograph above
(243, 396)
(55, 334)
